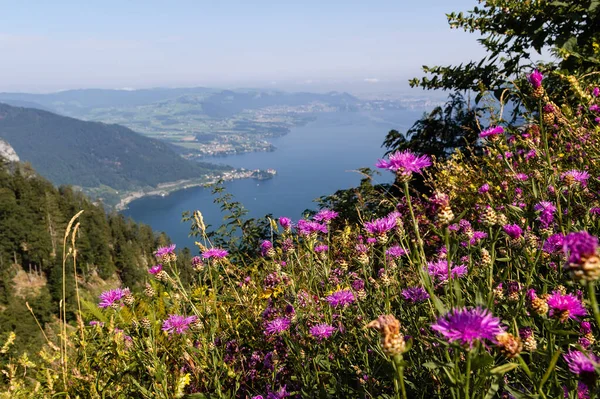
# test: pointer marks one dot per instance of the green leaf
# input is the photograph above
(550, 369)
(482, 361)
(505, 368)
(491, 393)
(563, 332)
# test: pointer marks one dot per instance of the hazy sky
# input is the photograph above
(53, 45)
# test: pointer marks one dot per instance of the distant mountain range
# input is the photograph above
(216, 101)
(93, 154)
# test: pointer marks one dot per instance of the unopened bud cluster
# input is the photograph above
(392, 341)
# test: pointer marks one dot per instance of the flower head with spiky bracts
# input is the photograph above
(166, 253)
(381, 226)
(468, 325)
(546, 209)
(395, 252)
(325, 216)
(341, 299)
(535, 79)
(285, 223)
(579, 246)
(514, 231)
(177, 324)
(415, 294)
(154, 270)
(215, 253)
(493, 131)
(575, 176)
(565, 306)
(554, 243)
(438, 270)
(405, 163)
(277, 326)
(112, 298)
(309, 228)
(321, 331)
(581, 363)
(266, 249)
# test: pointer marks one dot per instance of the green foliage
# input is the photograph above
(442, 131)
(360, 203)
(512, 32)
(33, 218)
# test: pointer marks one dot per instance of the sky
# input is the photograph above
(362, 45)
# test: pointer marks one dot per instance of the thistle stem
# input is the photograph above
(468, 377)
(397, 361)
(594, 301)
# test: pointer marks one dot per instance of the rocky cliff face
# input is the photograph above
(7, 152)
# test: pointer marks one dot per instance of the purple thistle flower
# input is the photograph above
(307, 227)
(530, 154)
(381, 226)
(280, 394)
(216, 253)
(321, 248)
(594, 108)
(277, 326)
(521, 176)
(395, 252)
(595, 211)
(286, 223)
(95, 323)
(492, 131)
(438, 270)
(468, 325)
(321, 331)
(596, 91)
(197, 261)
(154, 270)
(554, 243)
(484, 188)
(576, 175)
(477, 236)
(579, 246)
(325, 215)
(545, 206)
(566, 306)
(404, 163)
(581, 363)
(341, 298)
(415, 294)
(358, 284)
(162, 251)
(265, 247)
(585, 327)
(513, 231)
(526, 332)
(111, 298)
(177, 324)
(546, 210)
(535, 79)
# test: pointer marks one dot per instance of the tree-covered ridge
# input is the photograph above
(33, 218)
(93, 154)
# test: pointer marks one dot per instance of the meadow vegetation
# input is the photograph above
(472, 276)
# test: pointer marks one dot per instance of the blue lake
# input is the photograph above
(311, 161)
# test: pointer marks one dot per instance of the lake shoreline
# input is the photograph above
(167, 188)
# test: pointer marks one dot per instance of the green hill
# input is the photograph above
(34, 215)
(92, 154)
